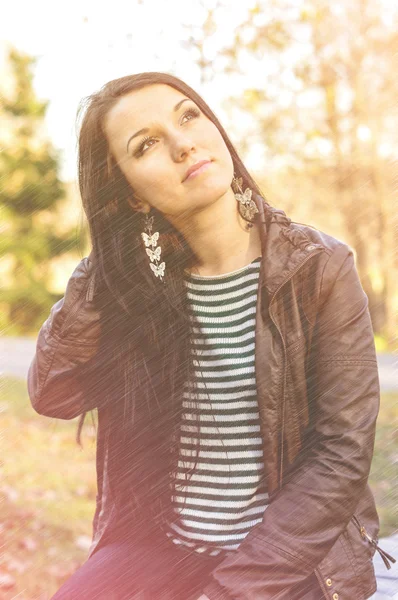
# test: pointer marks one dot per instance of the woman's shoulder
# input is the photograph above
(334, 247)
(304, 233)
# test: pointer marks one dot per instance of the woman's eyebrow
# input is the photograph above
(146, 129)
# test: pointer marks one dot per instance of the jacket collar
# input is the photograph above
(284, 247)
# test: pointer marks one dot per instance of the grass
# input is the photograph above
(48, 486)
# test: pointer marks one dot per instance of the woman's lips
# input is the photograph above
(198, 171)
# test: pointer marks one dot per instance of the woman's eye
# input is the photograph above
(141, 148)
(193, 112)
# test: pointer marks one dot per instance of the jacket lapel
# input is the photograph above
(284, 250)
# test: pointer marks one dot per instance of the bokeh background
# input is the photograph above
(307, 90)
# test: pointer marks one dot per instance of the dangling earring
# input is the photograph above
(150, 241)
(248, 206)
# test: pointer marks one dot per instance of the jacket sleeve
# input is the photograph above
(316, 502)
(67, 340)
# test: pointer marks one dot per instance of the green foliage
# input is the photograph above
(23, 101)
(29, 198)
(32, 184)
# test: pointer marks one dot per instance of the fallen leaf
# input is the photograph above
(6, 581)
(17, 565)
(28, 543)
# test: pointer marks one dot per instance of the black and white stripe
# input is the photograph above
(226, 495)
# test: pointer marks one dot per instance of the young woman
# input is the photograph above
(229, 353)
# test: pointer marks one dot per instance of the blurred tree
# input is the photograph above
(354, 51)
(29, 195)
(198, 38)
(322, 102)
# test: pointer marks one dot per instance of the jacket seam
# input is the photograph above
(352, 557)
(348, 253)
(298, 343)
(322, 301)
(293, 408)
(291, 556)
(349, 552)
(347, 361)
(59, 340)
(319, 576)
(40, 390)
(80, 295)
(312, 322)
(349, 357)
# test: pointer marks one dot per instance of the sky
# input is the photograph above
(80, 45)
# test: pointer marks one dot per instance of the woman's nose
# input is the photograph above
(181, 146)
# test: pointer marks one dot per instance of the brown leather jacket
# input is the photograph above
(318, 395)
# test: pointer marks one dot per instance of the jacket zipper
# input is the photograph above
(285, 356)
(384, 555)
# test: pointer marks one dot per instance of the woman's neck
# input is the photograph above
(219, 239)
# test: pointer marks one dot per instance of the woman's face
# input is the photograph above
(155, 161)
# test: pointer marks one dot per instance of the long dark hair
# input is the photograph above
(144, 356)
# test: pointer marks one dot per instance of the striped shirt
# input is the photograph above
(226, 495)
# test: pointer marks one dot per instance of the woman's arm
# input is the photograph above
(312, 509)
(66, 341)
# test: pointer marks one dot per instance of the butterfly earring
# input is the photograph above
(248, 206)
(150, 241)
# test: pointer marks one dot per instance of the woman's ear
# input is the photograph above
(139, 205)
